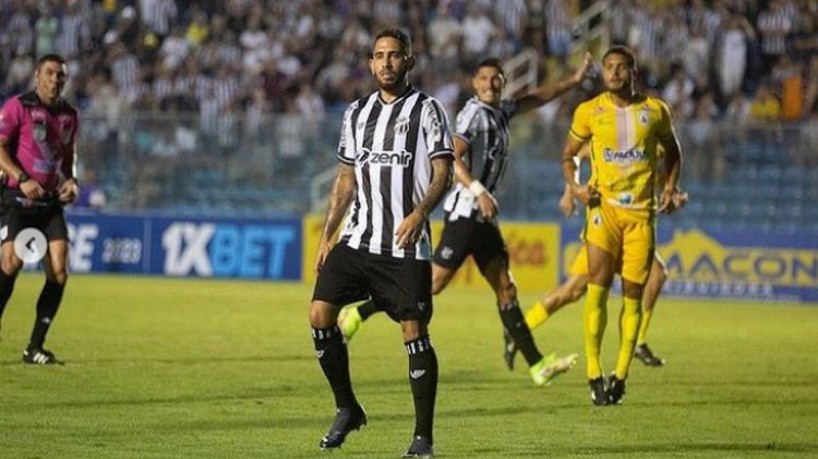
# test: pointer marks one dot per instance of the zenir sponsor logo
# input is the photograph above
(385, 158)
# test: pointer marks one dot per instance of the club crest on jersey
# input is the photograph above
(596, 219)
(402, 125)
(625, 199)
(643, 117)
(39, 131)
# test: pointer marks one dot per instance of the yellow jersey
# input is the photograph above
(623, 147)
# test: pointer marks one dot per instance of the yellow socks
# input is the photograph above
(643, 327)
(629, 328)
(595, 317)
(536, 316)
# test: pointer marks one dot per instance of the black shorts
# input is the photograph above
(402, 288)
(467, 236)
(14, 217)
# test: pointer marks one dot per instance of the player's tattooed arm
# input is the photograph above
(411, 227)
(343, 190)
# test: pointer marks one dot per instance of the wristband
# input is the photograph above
(477, 188)
(23, 178)
(577, 162)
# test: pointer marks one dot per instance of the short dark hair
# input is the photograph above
(51, 57)
(397, 34)
(627, 53)
(489, 62)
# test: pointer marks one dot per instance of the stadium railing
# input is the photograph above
(736, 174)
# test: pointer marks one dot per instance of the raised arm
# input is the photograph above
(343, 190)
(547, 92)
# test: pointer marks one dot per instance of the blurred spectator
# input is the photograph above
(174, 49)
(19, 73)
(738, 110)
(774, 24)
(92, 196)
(198, 30)
(765, 107)
(787, 76)
(158, 15)
(696, 55)
(805, 40)
(45, 31)
(558, 28)
(478, 31)
(732, 54)
(309, 104)
(445, 36)
(678, 92)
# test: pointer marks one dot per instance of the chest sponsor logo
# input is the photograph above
(624, 157)
(385, 158)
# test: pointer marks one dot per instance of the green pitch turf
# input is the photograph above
(192, 368)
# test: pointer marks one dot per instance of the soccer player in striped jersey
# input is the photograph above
(395, 155)
(626, 131)
(471, 228)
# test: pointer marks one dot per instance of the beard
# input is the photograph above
(396, 81)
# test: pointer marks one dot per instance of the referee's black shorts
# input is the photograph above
(467, 236)
(15, 217)
(400, 287)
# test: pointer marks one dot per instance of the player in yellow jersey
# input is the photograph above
(624, 130)
(576, 285)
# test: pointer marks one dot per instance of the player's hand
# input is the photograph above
(69, 191)
(667, 200)
(587, 195)
(680, 199)
(585, 69)
(567, 204)
(410, 229)
(321, 255)
(488, 205)
(32, 189)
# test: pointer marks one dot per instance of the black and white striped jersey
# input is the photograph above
(391, 146)
(485, 129)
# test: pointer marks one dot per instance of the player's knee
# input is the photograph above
(659, 277)
(11, 265)
(59, 277)
(438, 284)
(506, 292)
(320, 316)
(576, 293)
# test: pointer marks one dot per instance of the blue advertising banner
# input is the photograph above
(205, 247)
(728, 264)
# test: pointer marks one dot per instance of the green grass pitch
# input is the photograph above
(195, 368)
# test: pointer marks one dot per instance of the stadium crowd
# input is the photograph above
(736, 59)
(259, 77)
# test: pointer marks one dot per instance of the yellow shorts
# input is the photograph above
(627, 235)
(579, 267)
